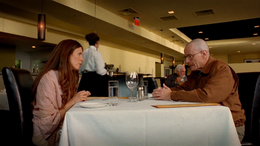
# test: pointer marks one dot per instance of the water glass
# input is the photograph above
(145, 89)
(113, 92)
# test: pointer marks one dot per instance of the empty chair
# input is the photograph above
(254, 136)
(18, 83)
(152, 84)
(255, 115)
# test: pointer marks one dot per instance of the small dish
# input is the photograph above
(92, 104)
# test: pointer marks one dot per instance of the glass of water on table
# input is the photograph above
(113, 92)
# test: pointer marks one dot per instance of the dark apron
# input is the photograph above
(96, 84)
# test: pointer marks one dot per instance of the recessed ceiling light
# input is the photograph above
(253, 44)
(206, 38)
(238, 51)
(200, 31)
(256, 26)
(255, 33)
(33, 47)
(170, 12)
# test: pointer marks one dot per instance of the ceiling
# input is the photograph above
(229, 25)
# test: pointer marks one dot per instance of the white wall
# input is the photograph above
(245, 67)
(129, 61)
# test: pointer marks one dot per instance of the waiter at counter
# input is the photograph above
(94, 75)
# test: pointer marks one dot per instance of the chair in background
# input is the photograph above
(246, 89)
(254, 136)
(255, 116)
(18, 83)
(160, 81)
(152, 84)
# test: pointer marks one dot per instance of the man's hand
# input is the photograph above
(162, 93)
(177, 80)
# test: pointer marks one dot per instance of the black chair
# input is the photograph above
(18, 84)
(152, 84)
(246, 90)
(254, 136)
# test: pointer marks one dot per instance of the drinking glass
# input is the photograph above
(131, 80)
(113, 92)
(145, 89)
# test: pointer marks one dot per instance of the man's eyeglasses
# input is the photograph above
(190, 56)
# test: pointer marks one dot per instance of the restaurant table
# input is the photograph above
(140, 124)
(3, 102)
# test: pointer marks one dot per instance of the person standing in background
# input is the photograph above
(176, 78)
(94, 75)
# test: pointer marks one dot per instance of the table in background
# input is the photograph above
(140, 124)
(3, 102)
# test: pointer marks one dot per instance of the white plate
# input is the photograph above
(92, 104)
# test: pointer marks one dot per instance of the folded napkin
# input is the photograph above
(185, 105)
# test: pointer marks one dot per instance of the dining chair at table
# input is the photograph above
(18, 83)
(152, 84)
(254, 136)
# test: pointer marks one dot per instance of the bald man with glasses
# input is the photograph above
(210, 81)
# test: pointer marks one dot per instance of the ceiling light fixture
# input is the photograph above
(255, 34)
(41, 25)
(257, 26)
(33, 47)
(170, 12)
(200, 31)
(238, 51)
(206, 38)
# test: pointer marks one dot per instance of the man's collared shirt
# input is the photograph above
(93, 61)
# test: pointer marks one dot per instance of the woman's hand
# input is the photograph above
(81, 96)
(78, 97)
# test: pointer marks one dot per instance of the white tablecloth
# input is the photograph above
(3, 102)
(140, 124)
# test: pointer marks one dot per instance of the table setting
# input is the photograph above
(142, 120)
(142, 123)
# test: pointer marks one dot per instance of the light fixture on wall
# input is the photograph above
(162, 54)
(162, 58)
(183, 63)
(41, 25)
(173, 64)
(173, 61)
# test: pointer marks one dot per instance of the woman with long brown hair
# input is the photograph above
(54, 91)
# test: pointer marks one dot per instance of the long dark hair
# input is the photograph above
(59, 60)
